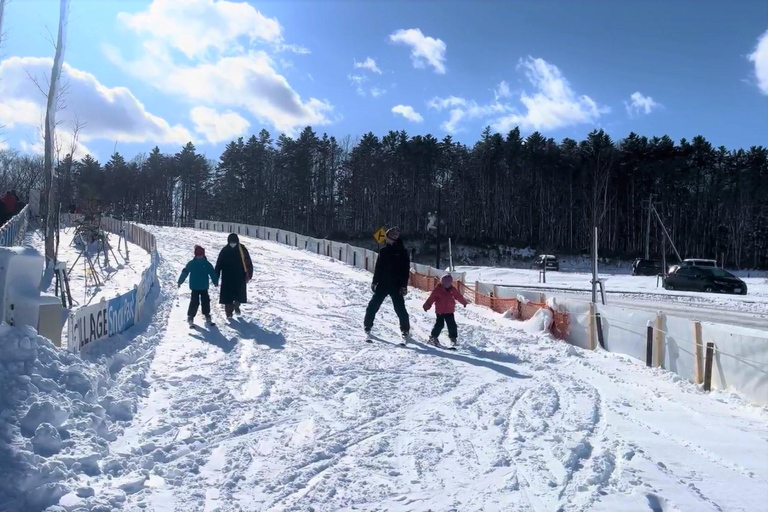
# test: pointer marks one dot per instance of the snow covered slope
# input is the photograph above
(287, 408)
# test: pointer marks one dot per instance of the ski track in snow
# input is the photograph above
(287, 408)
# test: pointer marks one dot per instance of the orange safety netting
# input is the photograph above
(422, 282)
(519, 310)
(561, 325)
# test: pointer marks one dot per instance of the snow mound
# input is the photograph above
(58, 413)
(539, 323)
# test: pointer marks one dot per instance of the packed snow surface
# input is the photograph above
(287, 408)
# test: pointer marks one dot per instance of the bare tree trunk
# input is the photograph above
(50, 127)
(2, 8)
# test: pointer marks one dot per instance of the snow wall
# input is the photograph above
(741, 354)
(116, 315)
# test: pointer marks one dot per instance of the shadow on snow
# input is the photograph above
(478, 359)
(246, 331)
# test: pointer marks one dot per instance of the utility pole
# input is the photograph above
(658, 217)
(594, 265)
(437, 222)
(648, 230)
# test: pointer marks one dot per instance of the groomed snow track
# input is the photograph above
(288, 408)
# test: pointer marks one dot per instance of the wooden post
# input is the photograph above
(659, 341)
(599, 325)
(698, 354)
(708, 366)
(649, 347)
(592, 330)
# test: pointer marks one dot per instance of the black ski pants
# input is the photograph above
(198, 297)
(441, 321)
(398, 302)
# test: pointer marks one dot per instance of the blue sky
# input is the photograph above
(160, 72)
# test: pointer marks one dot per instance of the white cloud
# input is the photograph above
(461, 109)
(502, 91)
(407, 112)
(233, 77)
(641, 104)
(368, 64)
(760, 58)
(245, 81)
(293, 48)
(424, 49)
(216, 126)
(376, 92)
(443, 103)
(107, 113)
(358, 81)
(63, 141)
(195, 26)
(553, 105)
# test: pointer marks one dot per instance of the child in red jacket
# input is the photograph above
(444, 297)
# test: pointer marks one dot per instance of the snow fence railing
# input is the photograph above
(349, 254)
(656, 339)
(13, 232)
(115, 316)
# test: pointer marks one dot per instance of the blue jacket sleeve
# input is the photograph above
(184, 274)
(213, 274)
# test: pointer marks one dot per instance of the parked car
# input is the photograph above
(698, 262)
(642, 267)
(704, 279)
(548, 260)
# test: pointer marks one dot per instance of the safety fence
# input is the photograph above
(738, 355)
(116, 315)
(12, 233)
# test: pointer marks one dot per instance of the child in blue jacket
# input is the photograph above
(199, 270)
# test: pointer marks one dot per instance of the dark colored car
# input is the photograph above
(704, 279)
(642, 267)
(548, 260)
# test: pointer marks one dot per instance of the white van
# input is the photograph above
(696, 262)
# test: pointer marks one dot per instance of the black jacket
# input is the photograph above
(393, 268)
(233, 274)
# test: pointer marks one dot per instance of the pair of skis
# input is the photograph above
(404, 340)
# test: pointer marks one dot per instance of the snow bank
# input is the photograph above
(539, 323)
(59, 411)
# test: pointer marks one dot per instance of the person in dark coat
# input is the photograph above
(390, 278)
(8, 207)
(234, 270)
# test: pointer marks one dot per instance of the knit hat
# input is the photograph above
(199, 251)
(393, 233)
(233, 239)
(447, 280)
